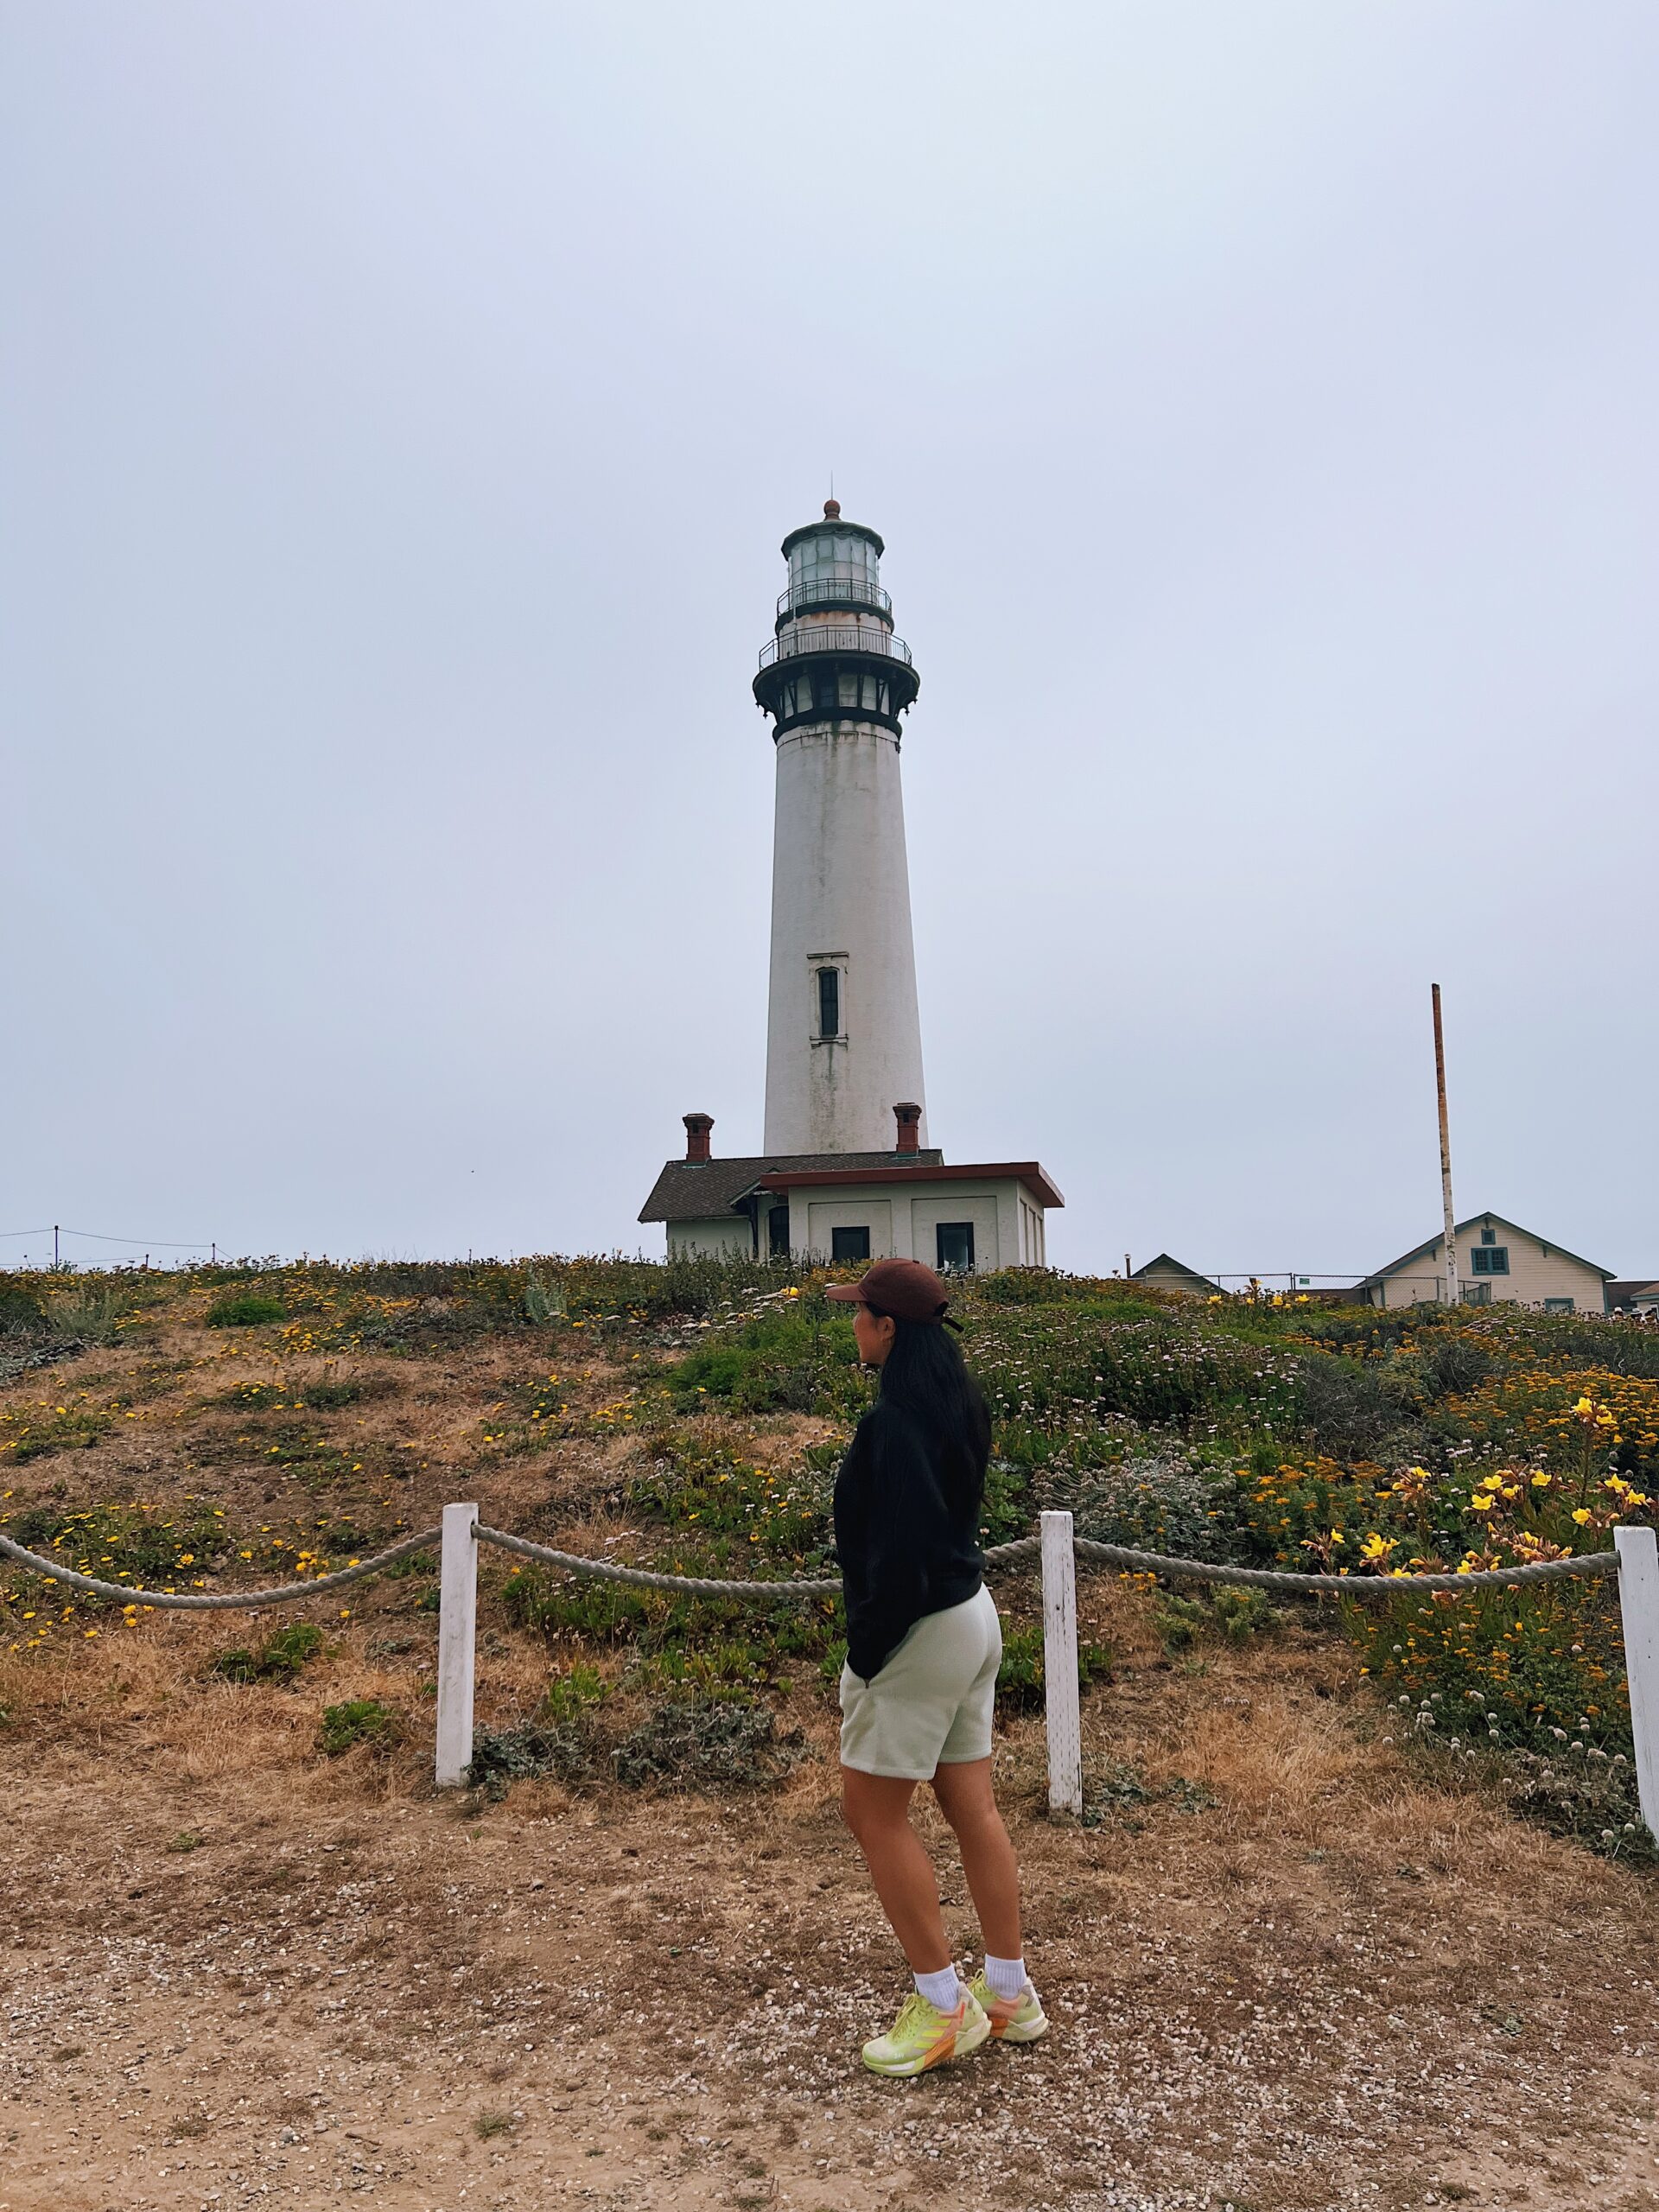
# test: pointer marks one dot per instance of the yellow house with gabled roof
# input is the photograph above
(1499, 1263)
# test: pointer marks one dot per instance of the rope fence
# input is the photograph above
(221, 1601)
(1634, 1561)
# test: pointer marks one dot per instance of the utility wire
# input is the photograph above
(97, 1236)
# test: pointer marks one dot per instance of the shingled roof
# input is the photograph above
(697, 1190)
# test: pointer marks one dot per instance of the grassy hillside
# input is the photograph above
(257, 1423)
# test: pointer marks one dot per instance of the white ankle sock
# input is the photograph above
(943, 1990)
(1006, 1976)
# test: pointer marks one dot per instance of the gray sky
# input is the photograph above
(402, 405)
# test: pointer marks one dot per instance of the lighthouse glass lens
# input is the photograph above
(820, 566)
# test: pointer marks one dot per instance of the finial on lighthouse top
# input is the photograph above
(832, 507)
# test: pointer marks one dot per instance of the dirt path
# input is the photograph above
(240, 1981)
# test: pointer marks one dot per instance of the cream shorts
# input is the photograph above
(930, 1705)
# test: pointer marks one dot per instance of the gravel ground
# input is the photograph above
(644, 2005)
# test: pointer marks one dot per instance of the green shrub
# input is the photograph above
(566, 1749)
(734, 1663)
(1020, 1682)
(601, 1613)
(1450, 1364)
(801, 1358)
(1072, 1369)
(92, 1309)
(358, 1720)
(247, 1311)
(653, 1621)
(691, 1484)
(330, 1394)
(1121, 1791)
(1236, 1614)
(542, 1303)
(1167, 1502)
(1242, 1613)
(1351, 1407)
(1004, 1510)
(279, 1659)
(568, 1696)
(705, 1743)
(23, 1311)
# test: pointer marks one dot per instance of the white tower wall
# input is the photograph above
(841, 900)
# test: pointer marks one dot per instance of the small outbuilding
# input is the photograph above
(847, 1207)
(1166, 1274)
(1499, 1263)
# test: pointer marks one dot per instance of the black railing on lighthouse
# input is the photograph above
(843, 590)
(820, 637)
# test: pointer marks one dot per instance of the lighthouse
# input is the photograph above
(848, 1174)
(843, 1031)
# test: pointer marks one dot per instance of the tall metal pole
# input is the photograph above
(1445, 1156)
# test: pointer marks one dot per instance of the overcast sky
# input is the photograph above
(402, 407)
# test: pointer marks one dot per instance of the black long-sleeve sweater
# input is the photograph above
(907, 1536)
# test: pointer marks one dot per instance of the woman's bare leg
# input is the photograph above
(876, 1807)
(966, 1799)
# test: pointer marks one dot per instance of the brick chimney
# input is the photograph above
(908, 1116)
(697, 1126)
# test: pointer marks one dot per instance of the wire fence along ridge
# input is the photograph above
(218, 1600)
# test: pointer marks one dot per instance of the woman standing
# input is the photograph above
(923, 1648)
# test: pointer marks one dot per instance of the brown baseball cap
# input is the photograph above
(904, 1288)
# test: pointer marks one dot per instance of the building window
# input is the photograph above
(954, 1245)
(847, 690)
(849, 1244)
(1559, 1306)
(1476, 1294)
(778, 1232)
(1489, 1236)
(828, 1001)
(1490, 1259)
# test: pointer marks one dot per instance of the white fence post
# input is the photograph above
(1060, 1665)
(1638, 1604)
(457, 1627)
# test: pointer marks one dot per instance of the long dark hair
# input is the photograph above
(926, 1373)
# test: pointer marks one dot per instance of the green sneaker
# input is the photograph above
(922, 2036)
(1014, 2020)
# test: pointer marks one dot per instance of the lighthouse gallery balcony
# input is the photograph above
(819, 638)
(838, 587)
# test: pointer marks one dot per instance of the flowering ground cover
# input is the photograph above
(267, 1421)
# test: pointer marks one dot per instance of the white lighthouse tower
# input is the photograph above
(843, 1035)
(848, 1174)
